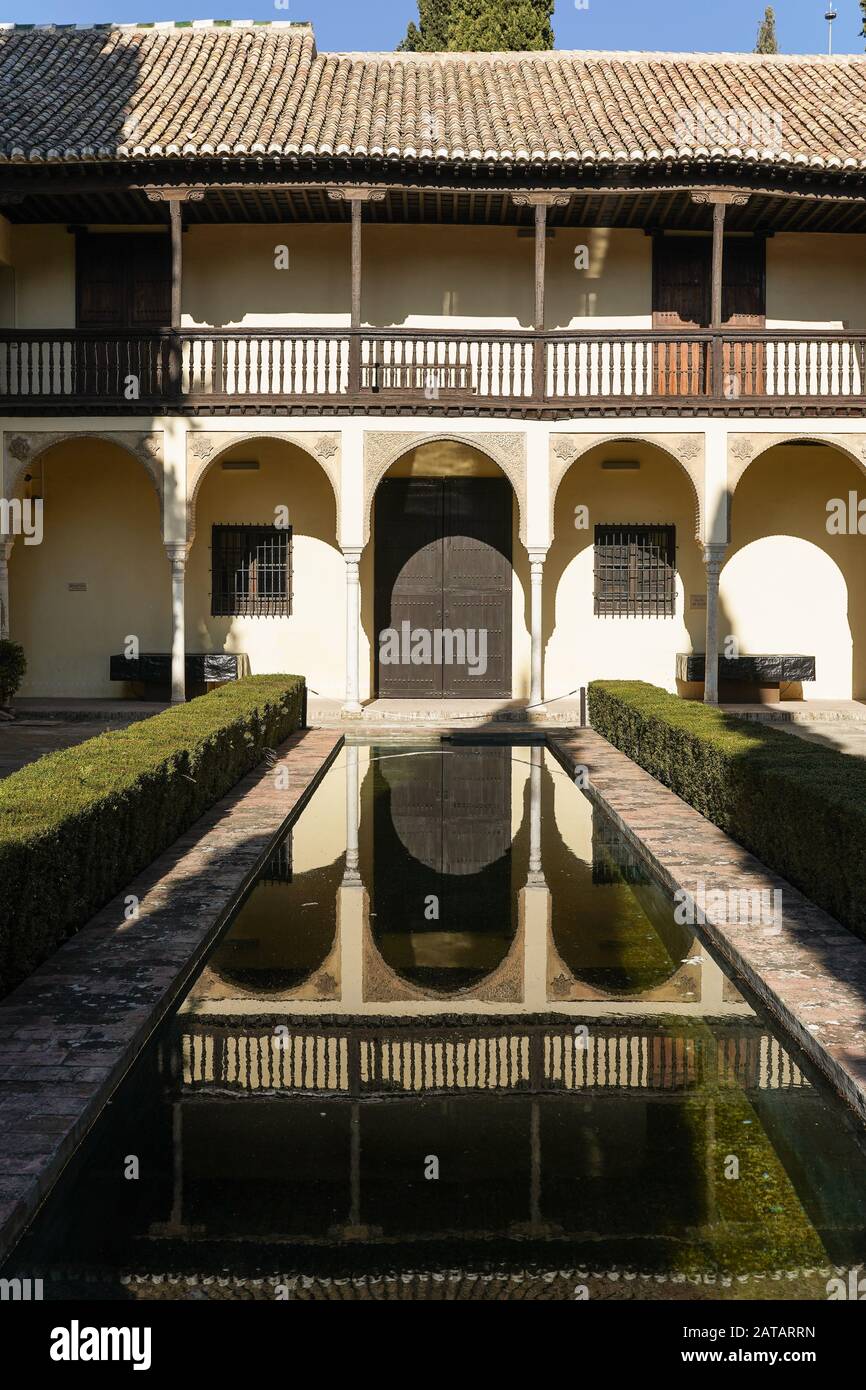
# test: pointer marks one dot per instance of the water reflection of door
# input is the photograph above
(443, 916)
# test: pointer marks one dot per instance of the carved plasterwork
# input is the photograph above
(686, 449)
(382, 448)
(24, 447)
(744, 448)
(204, 447)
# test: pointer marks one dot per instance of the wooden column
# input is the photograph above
(176, 216)
(356, 197)
(175, 197)
(540, 202)
(720, 199)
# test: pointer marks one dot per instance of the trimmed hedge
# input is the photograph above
(800, 807)
(77, 825)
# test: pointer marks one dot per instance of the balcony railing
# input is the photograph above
(418, 368)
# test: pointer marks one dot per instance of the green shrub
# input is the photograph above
(800, 807)
(12, 668)
(77, 825)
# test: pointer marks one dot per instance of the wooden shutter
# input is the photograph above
(744, 282)
(123, 281)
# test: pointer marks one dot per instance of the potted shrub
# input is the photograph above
(12, 668)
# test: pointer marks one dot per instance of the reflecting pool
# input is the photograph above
(454, 1043)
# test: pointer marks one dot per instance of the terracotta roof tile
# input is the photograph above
(125, 92)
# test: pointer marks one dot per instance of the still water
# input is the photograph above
(454, 1044)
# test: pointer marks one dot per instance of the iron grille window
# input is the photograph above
(252, 571)
(635, 570)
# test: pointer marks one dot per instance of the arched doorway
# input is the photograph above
(98, 577)
(793, 581)
(625, 584)
(265, 520)
(444, 585)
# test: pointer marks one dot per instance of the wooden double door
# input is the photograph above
(682, 276)
(443, 588)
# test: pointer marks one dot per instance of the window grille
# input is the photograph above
(251, 571)
(635, 570)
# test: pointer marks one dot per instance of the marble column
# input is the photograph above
(177, 552)
(352, 705)
(714, 557)
(536, 660)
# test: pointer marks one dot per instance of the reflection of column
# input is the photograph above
(351, 874)
(5, 552)
(536, 875)
(714, 555)
(177, 553)
(536, 658)
(353, 632)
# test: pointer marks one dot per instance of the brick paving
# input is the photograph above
(69, 1032)
(807, 970)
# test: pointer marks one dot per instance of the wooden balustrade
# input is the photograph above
(201, 368)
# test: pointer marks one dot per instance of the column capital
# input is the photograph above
(177, 552)
(541, 199)
(726, 197)
(188, 193)
(537, 557)
(357, 195)
(714, 555)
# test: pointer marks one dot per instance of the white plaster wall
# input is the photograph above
(431, 275)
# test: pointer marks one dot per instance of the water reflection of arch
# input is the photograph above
(618, 943)
(442, 826)
(283, 939)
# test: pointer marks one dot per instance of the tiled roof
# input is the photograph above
(129, 92)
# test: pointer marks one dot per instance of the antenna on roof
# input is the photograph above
(830, 16)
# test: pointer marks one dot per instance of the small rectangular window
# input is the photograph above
(635, 570)
(251, 571)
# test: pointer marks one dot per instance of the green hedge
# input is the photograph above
(798, 806)
(77, 825)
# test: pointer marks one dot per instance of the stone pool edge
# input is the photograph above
(822, 1007)
(71, 1031)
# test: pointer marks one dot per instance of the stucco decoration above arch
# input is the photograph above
(744, 448)
(686, 450)
(24, 447)
(204, 448)
(506, 448)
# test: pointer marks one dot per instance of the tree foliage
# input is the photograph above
(767, 42)
(480, 26)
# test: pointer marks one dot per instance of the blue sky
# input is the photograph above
(707, 26)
